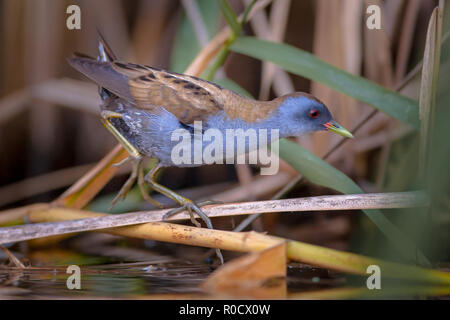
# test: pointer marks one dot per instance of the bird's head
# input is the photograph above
(301, 113)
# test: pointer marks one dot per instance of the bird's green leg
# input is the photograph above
(137, 173)
(106, 116)
(129, 183)
(150, 179)
(186, 204)
(141, 184)
(135, 157)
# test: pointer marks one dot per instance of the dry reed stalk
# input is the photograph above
(272, 29)
(160, 231)
(394, 12)
(12, 19)
(79, 95)
(376, 140)
(13, 104)
(282, 83)
(40, 184)
(17, 214)
(245, 178)
(406, 38)
(247, 242)
(328, 46)
(378, 67)
(43, 38)
(321, 203)
(149, 30)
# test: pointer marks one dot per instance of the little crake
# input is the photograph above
(143, 105)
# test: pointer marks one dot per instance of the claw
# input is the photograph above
(190, 206)
(122, 162)
(209, 202)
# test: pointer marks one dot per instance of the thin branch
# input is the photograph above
(41, 184)
(14, 103)
(102, 221)
(377, 140)
(76, 94)
(12, 258)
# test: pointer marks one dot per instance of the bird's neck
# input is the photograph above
(243, 113)
(249, 110)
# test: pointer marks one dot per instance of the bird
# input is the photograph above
(142, 106)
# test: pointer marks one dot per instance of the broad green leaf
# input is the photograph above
(439, 173)
(307, 65)
(320, 172)
(428, 88)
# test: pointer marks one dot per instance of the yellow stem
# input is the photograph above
(251, 242)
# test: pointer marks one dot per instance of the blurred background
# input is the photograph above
(50, 133)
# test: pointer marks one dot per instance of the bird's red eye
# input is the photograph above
(314, 113)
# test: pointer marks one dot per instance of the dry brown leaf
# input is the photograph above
(260, 275)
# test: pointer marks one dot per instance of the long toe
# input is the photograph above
(186, 207)
(207, 220)
(209, 202)
(191, 207)
(124, 190)
(201, 214)
(173, 212)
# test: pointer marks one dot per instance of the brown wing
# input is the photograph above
(188, 98)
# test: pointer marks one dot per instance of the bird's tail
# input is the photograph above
(105, 53)
(101, 71)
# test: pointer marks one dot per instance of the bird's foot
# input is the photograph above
(137, 173)
(131, 179)
(191, 207)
